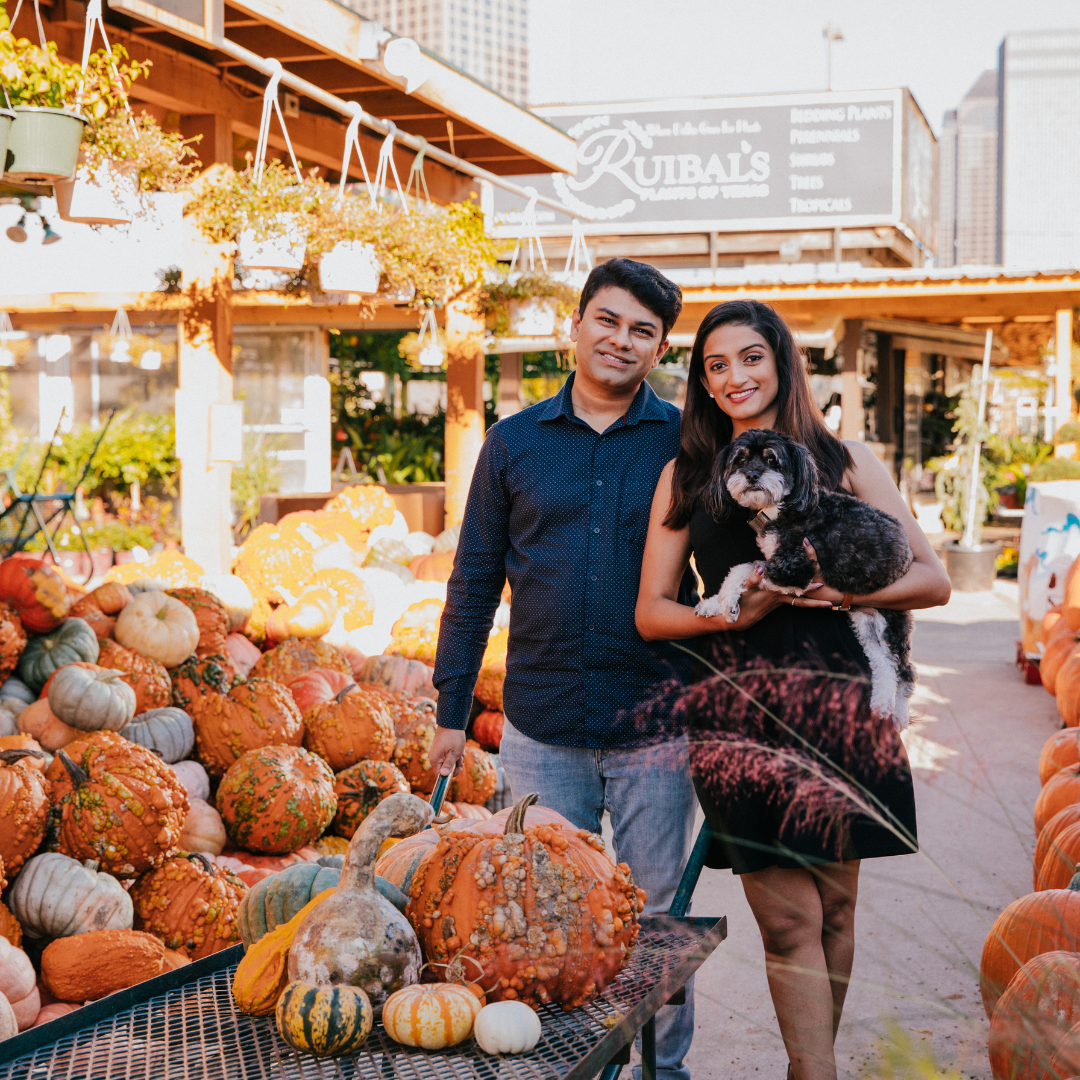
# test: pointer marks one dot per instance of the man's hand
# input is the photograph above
(447, 751)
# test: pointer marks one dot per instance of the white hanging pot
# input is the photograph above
(107, 197)
(350, 266)
(284, 251)
(532, 318)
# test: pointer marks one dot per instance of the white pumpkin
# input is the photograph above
(27, 1009)
(204, 831)
(234, 593)
(10, 711)
(55, 896)
(193, 776)
(507, 1027)
(9, 1026)
(91, 700)
(18, 984)
(158, 626)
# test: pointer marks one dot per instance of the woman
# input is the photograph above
(746, 372)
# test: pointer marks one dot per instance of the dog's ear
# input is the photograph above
(803, 476)
(716, 497)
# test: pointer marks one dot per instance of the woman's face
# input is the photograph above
(740, 374)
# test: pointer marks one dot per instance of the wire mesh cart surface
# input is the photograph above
(184, 1024)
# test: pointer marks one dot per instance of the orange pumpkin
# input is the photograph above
(1039, 1006)
(1060, 862)
(45, 727)
(294, 657)
(1037, 923)
(36, 760)
(430, 1015)
(310, 617)
(253, 714)
(277, 799)
(1049, 834)
(199, 676)
(360, 788)
(211, 617)
(1061, 790)
(489, 683)
(352, 727)
(100, 962)
(488, 729)
(1067, 689)
(35, 592)
(274, 554)
(10, 927)
(1070, 606)
(24, 805)
(469, 811)
(1060, 750)
(1059, 646)
(12, 640)
(478, 778)
(190, 904)
(435, 567)
(116, 802)
(565, 892)
(317, 686)
(415, 732)
(148, 678)
(100, 607)
(242, 654)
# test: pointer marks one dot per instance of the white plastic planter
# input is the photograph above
(350, 266)
(532, 318)
(107, 197)
(282, 252)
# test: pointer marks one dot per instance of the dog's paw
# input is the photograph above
(710, 607)
(733, 611)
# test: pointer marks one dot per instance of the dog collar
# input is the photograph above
(764, 516)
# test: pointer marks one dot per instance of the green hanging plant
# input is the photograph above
(493, 298)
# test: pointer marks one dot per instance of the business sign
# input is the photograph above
(792, 161)
(196, 20)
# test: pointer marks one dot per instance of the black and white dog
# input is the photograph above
(859, 549)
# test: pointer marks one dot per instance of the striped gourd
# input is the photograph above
(324, 1020)
(431, 1015)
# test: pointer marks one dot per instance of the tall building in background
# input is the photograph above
(1039, 76)
(489, 39)
(968, 230)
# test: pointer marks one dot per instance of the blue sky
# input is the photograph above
(615, 50)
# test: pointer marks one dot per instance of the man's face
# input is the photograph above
(619, 340)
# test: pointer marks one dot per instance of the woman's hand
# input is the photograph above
(823, 591)
(757, 602)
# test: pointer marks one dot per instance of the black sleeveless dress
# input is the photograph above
(790, 766)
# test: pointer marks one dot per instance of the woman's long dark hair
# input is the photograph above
(706, 428)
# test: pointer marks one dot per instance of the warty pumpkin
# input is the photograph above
(253, 714)
(71, 640)
(167, 732)
(263, 974)
(1060, 750)
(542, 909)
(12, 640)
(158, 626)
(415, 733)
(353, 727)
(190, 903)
(235, 597)
(431, 1015)
(272, 554)
(360, 788)
(1047, 835)
(100, 607)
(367, 504)
(416, 634)
(1033, 1015)
(204, 830)
(488, 730)
(24, 807)
(478, 777)
(276, 799)
(10, 927)
(316, 686)
(211, 618)
(91, 700)
(278, 898)
(198, 676)
(1037, 923)
(35, 592)
(18, 741)
(294, 657)
(93, 965)
(143, 674)
(357, 937)
(398, 675)
(323, 1020)
(1061, 790)
(45, 727)
(241, 653)
(56, 897)
(116, 802)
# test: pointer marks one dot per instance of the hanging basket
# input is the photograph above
(105, 198)
(282, 252)
(532, 318)
(350, 266)
(43, 144)
(6, 118)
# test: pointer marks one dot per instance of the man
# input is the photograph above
(559, 505)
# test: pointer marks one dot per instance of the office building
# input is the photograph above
(488, 39)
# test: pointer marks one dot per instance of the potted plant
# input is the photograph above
(526, 305)
(6, 118)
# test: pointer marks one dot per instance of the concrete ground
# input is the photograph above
(921, 919)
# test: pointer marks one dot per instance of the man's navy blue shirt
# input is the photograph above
(561, 511)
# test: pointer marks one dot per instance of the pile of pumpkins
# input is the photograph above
(156, 764)
(1030, 969)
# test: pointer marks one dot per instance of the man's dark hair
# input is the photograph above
(643, 282)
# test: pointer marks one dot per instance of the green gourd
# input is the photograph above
(71, 641)
(357, 937)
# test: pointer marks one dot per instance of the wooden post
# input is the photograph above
(1064, 405)
(464, 406)
(852, 418)
(205, 342)
(510, 401)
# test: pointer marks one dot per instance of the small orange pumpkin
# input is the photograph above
(489, 683)
(1048, 834)
(90, 966)
(199, 676)
(360, 788)
(353, 727)
(12, 640)
(317, 686)
(478, 778)
(294, 657)
(415, 733)
(211, 617)
(43, 725)
(488, 729)
(435, 567)
(24, 804)
(1060, 750)
(100, 607)
(431, 1015)
(1059, 645)
(1061, 790)
(149, 679)
(310, 617)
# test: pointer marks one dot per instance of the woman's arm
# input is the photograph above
(659, 616)
(925, 584)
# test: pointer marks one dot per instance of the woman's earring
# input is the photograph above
(712, 395)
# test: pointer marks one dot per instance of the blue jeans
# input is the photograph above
(650, 797)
